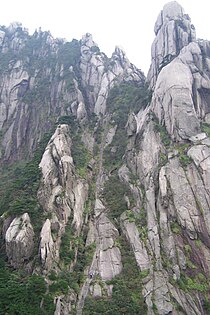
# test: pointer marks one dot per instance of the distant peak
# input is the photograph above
(119, 50)
(87, 36)
(120, 54)
(14, 25)
(88, 41)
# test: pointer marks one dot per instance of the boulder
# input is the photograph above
(19, 240)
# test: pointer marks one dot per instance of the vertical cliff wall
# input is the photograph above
(105, 174)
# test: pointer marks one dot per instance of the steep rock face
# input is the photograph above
(62, 194)
(19, 240)
(177, 99)
(70, 84)
(137, 244)
(47, 249)
(173, 30)
(200, 155)
(40, 82)
(109, 257)
(99, 73)
(177, 210)
(124, 187)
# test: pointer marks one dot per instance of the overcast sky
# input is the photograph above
(126, 23)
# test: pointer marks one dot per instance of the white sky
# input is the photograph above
(126, 23)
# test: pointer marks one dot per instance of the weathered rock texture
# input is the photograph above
(177, 210)
(19, 240)
(62, 194)
(173, 30)
(125, 178)
(42, 82)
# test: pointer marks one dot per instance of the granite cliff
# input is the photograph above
(105, 174)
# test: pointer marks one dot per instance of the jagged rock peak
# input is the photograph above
(119, 54)
(171, 11)
(173, 31)
(88, 41)
(119, 51)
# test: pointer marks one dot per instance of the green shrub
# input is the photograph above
(69, 54)
(162, 132)
(113, 153)
(19, 185)
(94, 49)
(68, 120)
(185, 160)
(6, 58)
(81, 155)
(59, 287)
(175, 228)
(114, 194)
(206, 128)
(206, 306)
(67, 249)
(122, 100)
(126, 97)
(130, 216)
(22, 294)
(186, 284)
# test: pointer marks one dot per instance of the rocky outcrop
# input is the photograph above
(44, 84)
(173, 30)
(169, 133)
(179, 88)
(176, 99)
(63, 303)
(123, 182)
(109, 262)
(137, 244)
(62, 194)
(19, 240)
(99, 74)
(47, 248)
(201, 157)
(167, 152)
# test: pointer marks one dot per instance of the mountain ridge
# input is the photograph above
(105, 174)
